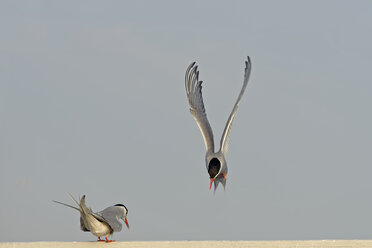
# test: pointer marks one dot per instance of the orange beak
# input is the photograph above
(212, 180)
(126, 222)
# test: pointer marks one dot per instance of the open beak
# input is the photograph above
(212, 180)
(126, 222)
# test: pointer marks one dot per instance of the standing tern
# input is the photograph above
(215, 161)
(103, 223)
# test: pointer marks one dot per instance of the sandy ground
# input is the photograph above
(197, 244)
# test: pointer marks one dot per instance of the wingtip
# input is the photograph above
(189, 69)
(194, 66)
(248, 64)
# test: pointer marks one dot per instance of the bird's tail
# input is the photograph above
(83, 207)
(67, 205)
(216, 182)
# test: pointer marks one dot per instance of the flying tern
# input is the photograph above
(215, 161)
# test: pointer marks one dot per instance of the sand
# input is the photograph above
(197, 244)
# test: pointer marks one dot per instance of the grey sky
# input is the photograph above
(92, 101)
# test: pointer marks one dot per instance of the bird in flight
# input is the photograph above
(215, 161)
(103, 223)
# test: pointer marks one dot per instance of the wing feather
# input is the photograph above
(110, 215)
(194, 94)
(225, 135)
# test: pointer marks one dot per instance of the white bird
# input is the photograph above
(215, 161)
(103, 223)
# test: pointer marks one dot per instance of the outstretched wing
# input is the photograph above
(225, 135)
(194, 95)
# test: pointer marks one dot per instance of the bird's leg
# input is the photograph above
(108, 241)
(99, 239)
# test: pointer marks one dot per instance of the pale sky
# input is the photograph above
(92, 101)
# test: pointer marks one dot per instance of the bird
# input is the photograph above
(103, 223)
(215, 161)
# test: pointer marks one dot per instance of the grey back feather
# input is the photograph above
(111, 216)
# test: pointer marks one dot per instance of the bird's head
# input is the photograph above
(216, 173)
(124, 213)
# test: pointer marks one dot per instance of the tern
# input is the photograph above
(103, 223)
(215, 161)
